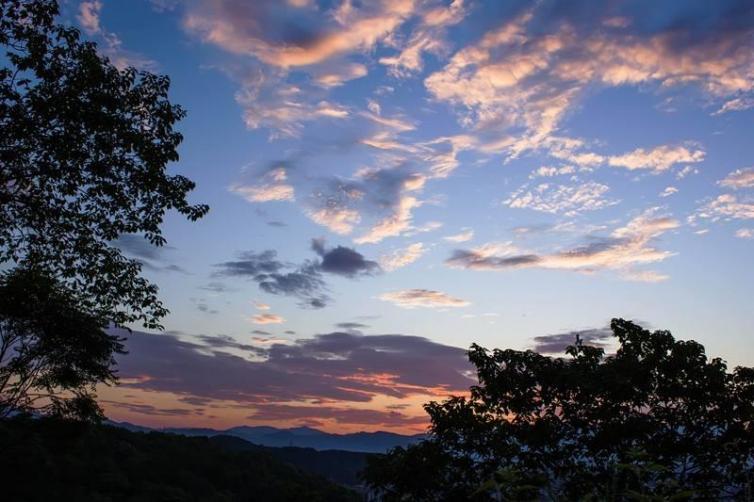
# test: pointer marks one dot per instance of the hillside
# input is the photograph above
(342, 467)
(51, 460)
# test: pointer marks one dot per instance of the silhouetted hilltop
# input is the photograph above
(302, 437)
(48, 460)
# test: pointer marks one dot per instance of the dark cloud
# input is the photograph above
(252, 264)
(556, 344)
(277, 278)
(351, 325)
(148, 409)
(261, 332)
(150, 256)
(334, 367)
(216, 287)
(278, 224)
(343, 261)
(471, 259)
(304, 281)
(203, 307)
(226, 342)
(140, 247)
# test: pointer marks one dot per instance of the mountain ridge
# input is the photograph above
(300, 437)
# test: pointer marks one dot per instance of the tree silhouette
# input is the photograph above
(52, 352)
(84, 150)
(658, 419)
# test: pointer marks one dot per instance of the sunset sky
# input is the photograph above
(391, 181)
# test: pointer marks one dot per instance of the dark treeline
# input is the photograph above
(57, 460)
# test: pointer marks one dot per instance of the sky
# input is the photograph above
(391, 181)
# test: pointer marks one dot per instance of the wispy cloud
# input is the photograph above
(426, 298)
(465, 235)
(267, 318)
(626, 247)
(402, 257)
(567, 199)
(738, 179)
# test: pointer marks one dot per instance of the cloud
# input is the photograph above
(524, 76)
(150, 256)
(110, 45)
(293, 38)
(557, 343)
(384, 196)
(216, 287)
(427, 37)
(88, 16)
(402, 257)
(225, 342)
(272, 186)
(727, 206)
(668, 191)
(351, 325)
(686, 171)
(657, 159)
(548, 171)
(738, 179)
(343, 261)
(267, 318)
(269, 102)
(735, 104)
(205, 308)
(340, 74)
(411, 298)
(277, 278)
(339, 370)
(626, 247)
(745, 233)
(139, 246)
(464, 236)
(304, 281)
(567, 199)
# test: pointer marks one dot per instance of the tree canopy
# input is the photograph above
(655, 420)
(52, 352)
(84, 150)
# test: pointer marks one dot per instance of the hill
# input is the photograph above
(47, 460)
(302, 437)
(342, 467)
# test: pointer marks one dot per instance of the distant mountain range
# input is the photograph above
(302, 437)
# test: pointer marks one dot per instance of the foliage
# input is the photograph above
(84, 148)
(339, 466)
(52, 353)
(657, 420)
(53, 460)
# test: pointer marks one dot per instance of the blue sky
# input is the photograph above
(434, 174)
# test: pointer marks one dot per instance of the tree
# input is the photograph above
(657, 419)
(52, 352)
(84, 149)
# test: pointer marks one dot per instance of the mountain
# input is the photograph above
(303, 437)
(52, 460)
